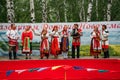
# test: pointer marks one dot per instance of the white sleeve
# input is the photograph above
(37, 34)
(105, 34)
(91, 35)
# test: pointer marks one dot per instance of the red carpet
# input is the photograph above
(78, 69)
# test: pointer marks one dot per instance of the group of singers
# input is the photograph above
(59, 41)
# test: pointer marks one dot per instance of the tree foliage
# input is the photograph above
(3, 11)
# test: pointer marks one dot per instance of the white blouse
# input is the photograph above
(105, 34)
(13, 34)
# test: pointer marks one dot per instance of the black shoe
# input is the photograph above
(47, 57)
(104, 57)
(10, 58)
(97, 57)
(26, 58)
(15, 58)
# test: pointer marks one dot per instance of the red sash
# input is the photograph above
(26, 45)
(12, 42)
(76, 42)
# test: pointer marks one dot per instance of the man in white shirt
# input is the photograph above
(12, 35)
(105, 41)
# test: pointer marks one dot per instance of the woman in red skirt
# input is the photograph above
(44, 46)
(95, 48)
(27, 37)
(55, 45)
(65, 42)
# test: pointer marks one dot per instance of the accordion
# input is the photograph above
(74, 33)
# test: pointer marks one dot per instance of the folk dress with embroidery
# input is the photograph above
(27, 36)
(95, 47)
(55, 45)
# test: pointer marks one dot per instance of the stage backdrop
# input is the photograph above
(87, 27)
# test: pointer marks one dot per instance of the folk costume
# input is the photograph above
(95, 48)
(76, 33)
(13, 36)
(55, 45)
(44, 46)
(27, 37)
(65, 43)
(105, 43)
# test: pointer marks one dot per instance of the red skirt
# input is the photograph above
(12, 42)
(55, 46)
(95, 47)
(44, 47)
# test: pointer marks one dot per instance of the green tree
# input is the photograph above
(22, 11)
(3, 11)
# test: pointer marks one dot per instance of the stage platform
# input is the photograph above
(59, 69)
